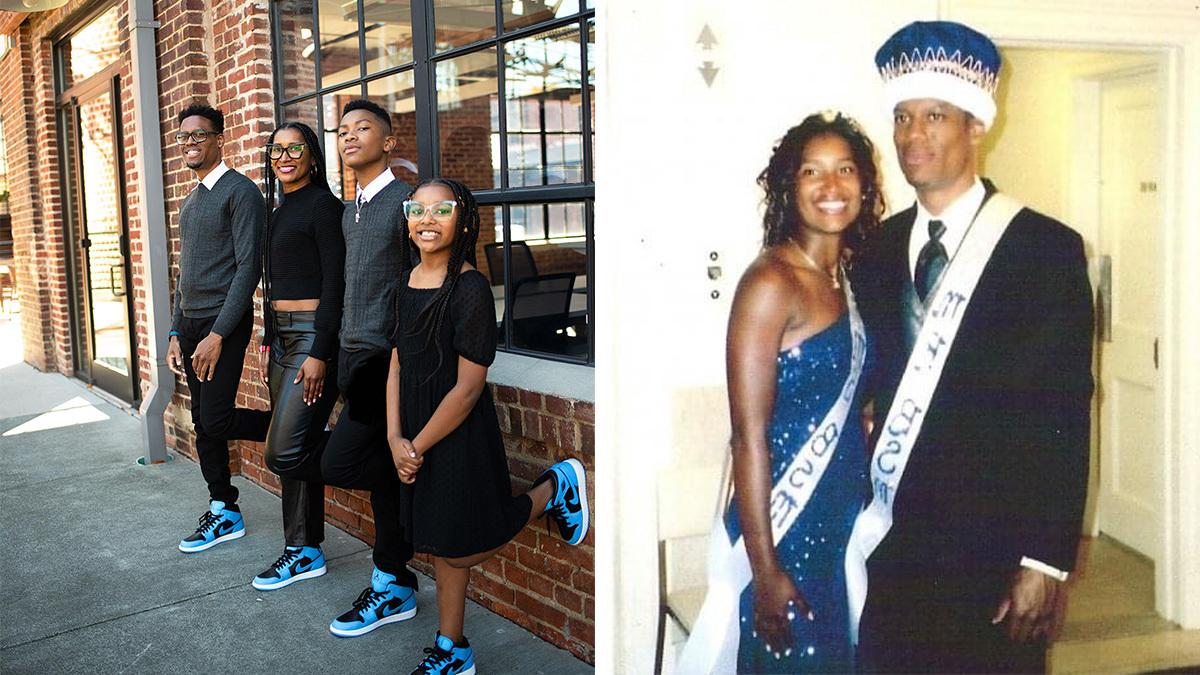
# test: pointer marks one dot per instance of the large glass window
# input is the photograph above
(498, 94)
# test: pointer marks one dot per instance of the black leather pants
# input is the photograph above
(297, 436)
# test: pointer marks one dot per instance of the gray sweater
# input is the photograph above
(375, 247)
(219, 232)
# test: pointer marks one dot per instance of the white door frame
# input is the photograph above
(1171, 27)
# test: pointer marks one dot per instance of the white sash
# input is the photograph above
(921, 375)
(713, 644)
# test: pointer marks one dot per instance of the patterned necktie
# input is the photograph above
(358, 204)
(931, 261)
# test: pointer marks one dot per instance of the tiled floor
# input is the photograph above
(1111, 623)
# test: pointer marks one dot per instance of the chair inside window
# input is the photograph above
(521, 258)
(541, 307)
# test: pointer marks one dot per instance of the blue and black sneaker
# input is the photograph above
(568, 507)
(447, 658)
(296, 563)
(386, 601)
(219, 523)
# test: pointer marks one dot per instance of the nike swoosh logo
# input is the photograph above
(456, 665)
(304, 565)
(572, 499)
(224, 527)
(389, 608)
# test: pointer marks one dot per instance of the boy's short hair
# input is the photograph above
(371, 107)
(207, 112)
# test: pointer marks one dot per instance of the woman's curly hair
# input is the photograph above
(781, 220)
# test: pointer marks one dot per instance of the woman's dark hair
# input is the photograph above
(316, 177)
(781, 221)
(430, 320)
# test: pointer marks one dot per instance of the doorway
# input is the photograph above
(90, 131)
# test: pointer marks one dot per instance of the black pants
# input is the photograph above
(215, 416)
(919, 621)
(357, 457)
(297, 436)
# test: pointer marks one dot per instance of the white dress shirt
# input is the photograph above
(957, 217)
(215, 175)
(364, 194)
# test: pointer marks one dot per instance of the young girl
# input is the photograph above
(441, 420)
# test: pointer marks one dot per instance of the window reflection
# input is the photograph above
(340, 181)
(298, 64)
(397, 95)
(92, 49)
(468, 120)
(461, 22)
(339, 41)
(543, 99)
(388, 32)
(524, 13)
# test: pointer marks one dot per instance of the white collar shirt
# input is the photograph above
(362, 195)
(957, 218)
(215, 175)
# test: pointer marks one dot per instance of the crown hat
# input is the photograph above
(943, 60)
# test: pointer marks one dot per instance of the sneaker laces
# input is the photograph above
(366, 599)
(286, 559)
(208, 521)
(437, 658)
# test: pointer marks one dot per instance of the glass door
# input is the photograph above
(96, 191)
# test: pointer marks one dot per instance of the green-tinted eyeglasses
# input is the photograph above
(181, 137)
(442, 210)
(294, 150)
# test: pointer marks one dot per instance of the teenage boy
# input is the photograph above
(357, 455)
(220, 223)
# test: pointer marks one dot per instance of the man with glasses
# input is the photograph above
(220, 224)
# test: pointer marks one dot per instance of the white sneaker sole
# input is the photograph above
(267, 586)
(204, 547)
(402, 616)
(468, 671)
(581, 480)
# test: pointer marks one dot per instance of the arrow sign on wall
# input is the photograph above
(707, 41)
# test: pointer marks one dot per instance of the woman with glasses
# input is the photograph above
(303, 258)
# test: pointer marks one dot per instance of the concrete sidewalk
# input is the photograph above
(92, 581)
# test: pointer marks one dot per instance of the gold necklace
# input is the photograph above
(833, 277)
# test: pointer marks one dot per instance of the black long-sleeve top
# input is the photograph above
(304, 257)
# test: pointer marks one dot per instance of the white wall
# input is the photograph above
(677, 170)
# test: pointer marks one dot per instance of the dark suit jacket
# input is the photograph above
(1000, 468)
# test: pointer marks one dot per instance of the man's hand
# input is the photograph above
(312, 373)
(175, 357)
(1032, 607)
(408, 462)
(204, 359)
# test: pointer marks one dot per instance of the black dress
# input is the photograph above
(462, 501)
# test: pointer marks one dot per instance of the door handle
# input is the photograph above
(1105, 298)
(117, 291)
(1156, 353)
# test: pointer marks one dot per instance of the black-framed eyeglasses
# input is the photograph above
(198, 136)
(293, 150)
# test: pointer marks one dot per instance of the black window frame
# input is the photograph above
(424, 68)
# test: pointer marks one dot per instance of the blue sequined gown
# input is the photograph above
(809, 379)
